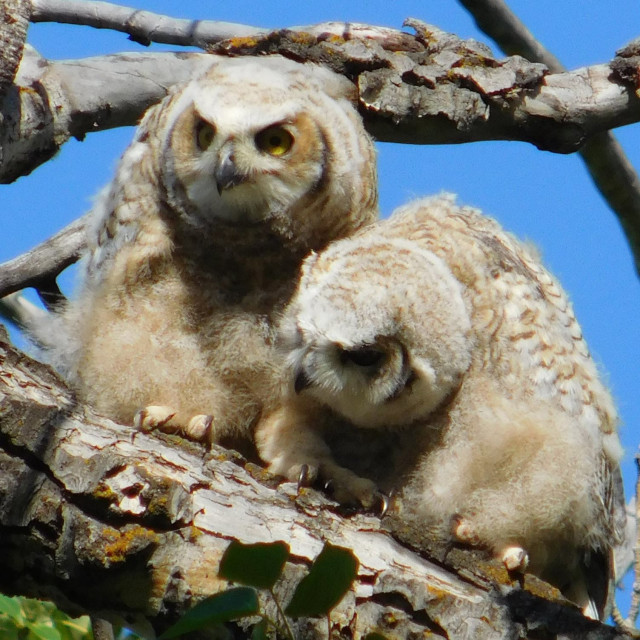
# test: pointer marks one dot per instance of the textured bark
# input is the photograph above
(432, 88)
(131, 526)
(14, 21)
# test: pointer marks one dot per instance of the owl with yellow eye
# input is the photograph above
(196, 245)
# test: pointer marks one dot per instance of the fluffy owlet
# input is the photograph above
(442, 337)
(197, 243)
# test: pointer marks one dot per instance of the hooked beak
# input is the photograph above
(227, 174)
(301, 381)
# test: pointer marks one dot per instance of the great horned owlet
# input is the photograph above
(196, 245)
(441, 334)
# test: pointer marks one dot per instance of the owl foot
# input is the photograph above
(155, 417)
(306, 476)
(163, 418)
(342, 485)
(515, 559)
(463, 531)
(346, 487)
(200, 428)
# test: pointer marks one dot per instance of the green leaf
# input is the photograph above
(256, 565)
(8, 630)
(374, 635)
(12, 608)
(259, 632)
(329, 579)
(224, 606)
(44, 631)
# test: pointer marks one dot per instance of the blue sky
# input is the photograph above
(546, 198)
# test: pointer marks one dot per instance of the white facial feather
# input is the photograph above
(349, 300)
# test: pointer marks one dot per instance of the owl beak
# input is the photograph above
(301, 381)
(227, 174)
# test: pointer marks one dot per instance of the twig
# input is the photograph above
(143, 27)
(611, 171)
(40, 266)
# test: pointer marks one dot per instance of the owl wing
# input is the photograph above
(599, 564)
(120, 206)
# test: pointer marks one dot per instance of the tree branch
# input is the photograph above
(143, 27)
(14, 20)
(608, 165)
(38, 267)
(132, 526)
(429, 89)
(52, 102)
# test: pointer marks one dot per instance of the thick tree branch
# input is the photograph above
(52, 102)
(608, 165)
(14, 20)
(428, 89)
(425, 89)
(132, 526)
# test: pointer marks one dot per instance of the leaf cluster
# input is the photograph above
(260, 566)
(25, 619)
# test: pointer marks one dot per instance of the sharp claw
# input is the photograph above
(328, 486)
(303, 476)
(138, 420)
(384, 504)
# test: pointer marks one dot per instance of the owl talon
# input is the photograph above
(463, 531)
(155, 417)
(200, 428)
(303, 476)
(384, 501)
(515, 559)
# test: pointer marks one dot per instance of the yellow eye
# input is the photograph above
(205, 133)
(275, 141)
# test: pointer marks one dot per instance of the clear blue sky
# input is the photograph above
(546, 198)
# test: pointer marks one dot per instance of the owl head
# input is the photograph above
(272, 143)
(378, 330)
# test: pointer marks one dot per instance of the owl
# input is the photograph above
(196, 245)
(440, 340)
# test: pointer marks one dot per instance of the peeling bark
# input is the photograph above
(131, 527)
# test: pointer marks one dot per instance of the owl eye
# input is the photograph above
(205, 133)
(275, 141)
(363, 357)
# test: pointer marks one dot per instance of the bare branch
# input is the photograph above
(52, 102)
(44, 262)
(132, 526)
(143, 27)
(608, 165)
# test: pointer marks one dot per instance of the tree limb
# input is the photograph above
(608, 165)
(143, 27)
(40, 266)
(429, 89)
(131, 526)
(52, 102)
(14, 20)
